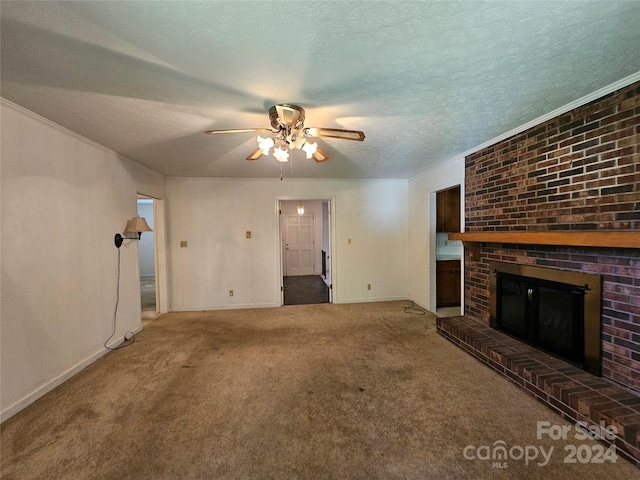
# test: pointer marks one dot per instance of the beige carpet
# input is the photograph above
(362, 391)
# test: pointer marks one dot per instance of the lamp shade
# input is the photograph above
(138, 225)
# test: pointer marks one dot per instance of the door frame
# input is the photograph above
(433, 244)
(279, 243)
(159, 251)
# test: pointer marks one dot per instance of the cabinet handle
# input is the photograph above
(530, 294)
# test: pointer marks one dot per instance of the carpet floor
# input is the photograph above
(362, 391)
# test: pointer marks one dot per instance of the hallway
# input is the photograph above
(305, 290)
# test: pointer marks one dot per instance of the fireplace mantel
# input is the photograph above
(588, 238)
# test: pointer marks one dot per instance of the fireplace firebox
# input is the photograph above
(557, 311)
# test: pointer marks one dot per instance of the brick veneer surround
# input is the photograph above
(579, 171)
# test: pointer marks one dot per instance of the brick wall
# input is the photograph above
(578, 171)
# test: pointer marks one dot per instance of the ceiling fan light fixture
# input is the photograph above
(310, 148)
(287, 122)
(281, 154)
(265, 144)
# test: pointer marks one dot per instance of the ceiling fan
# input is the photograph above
(287, 122)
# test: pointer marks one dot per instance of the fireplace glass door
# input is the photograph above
(547, 314)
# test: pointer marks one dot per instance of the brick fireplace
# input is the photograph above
(579, 173)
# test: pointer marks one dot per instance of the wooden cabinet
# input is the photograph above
(448, 210)
(448, 283)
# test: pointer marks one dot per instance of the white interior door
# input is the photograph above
(299, 244)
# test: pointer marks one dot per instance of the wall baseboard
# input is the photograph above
(371, 300)
(272, 305)
(223, 307)
(27, 400)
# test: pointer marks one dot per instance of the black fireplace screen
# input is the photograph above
(557, 311)
(546, 314)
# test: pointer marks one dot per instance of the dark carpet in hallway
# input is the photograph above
(305, 290)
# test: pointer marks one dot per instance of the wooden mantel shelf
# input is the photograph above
(617, 239)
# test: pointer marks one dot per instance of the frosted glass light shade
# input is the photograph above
(265, 144)
(310, 149)
(281, 155)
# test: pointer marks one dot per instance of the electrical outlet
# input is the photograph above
(183, 243)
(231, 293)
(368, 286)
(248, 234)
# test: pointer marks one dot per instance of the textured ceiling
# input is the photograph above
(425, 81)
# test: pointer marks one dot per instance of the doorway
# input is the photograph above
(146, 259)
(305, 251)
(151, 254)
(447, 275)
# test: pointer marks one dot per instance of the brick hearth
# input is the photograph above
(567, 390)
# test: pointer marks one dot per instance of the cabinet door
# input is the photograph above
(448, 210)
(448, 283)
(441, 203)
(452, 214)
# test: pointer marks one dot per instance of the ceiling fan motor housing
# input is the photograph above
(286, 115)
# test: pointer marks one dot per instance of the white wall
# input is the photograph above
(63, 200)
(212, 215)
(422, 228)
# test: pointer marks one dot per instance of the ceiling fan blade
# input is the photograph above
(240, 130)
(319, 156)
(257, 153)
(335, 133)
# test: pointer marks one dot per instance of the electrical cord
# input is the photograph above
(412, 309)
(115, 318)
